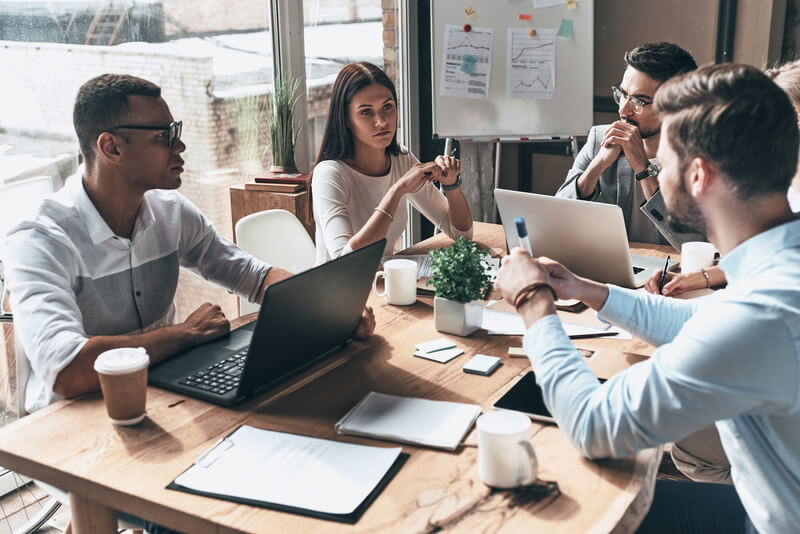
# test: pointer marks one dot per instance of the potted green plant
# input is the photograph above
(460, 277)
(280, 124)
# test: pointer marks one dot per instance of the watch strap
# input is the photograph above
(454, 185)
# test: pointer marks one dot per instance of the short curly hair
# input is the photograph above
(102, 103)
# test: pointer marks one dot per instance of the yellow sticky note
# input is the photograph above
(517, 352)
(572, 4)
(470, 11)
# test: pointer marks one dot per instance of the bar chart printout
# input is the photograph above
(531, 63)
(467, 64)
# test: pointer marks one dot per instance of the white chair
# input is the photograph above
(278, 238)
(20, 199)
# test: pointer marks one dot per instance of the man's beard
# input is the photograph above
(643, 134)
(684, 216)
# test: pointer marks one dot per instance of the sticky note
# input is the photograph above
(434, 345)
(517, 352)
(572, 4)
(480, 364)
(524, 16)
(441, 356)
(470, 12)
(468, 63)
(565, 30)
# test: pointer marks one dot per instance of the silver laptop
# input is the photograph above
(589, 238)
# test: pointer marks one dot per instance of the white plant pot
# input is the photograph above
(459, 318)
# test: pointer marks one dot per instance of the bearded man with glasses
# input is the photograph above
(617, 164)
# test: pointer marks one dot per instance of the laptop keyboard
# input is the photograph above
(637, 270)
(220, 377)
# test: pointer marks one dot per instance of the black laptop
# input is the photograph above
(302, 320)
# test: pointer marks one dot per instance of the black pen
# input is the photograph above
(663, 276)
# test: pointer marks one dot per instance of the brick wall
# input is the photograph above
(390, 39)
(213, 16)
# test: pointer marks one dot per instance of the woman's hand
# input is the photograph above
(450, 168)
(417, 176)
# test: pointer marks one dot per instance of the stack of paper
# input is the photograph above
(511, 324)
(439, 350)
(409, 420)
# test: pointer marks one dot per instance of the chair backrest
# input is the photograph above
(18, 200)
(278, 238)
(23, 369)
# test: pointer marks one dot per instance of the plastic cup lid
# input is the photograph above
(122, 361)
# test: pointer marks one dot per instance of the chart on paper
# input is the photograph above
(531, 62)
(467, 65)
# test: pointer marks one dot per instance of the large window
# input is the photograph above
(214, 62)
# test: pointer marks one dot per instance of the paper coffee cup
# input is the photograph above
(123, 379)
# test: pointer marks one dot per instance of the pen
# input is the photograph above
(522, 233)
(663, 276)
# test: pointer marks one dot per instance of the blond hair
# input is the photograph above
(787, 77)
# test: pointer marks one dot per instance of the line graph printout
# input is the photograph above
(472, 49)
(531, 63)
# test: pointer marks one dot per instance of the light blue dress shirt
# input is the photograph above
(730, 358)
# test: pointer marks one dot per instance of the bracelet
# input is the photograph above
(708, 279)
(454, 185)
(385, 212)
(527, 292)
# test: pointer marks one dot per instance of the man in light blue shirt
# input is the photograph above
(732, 359)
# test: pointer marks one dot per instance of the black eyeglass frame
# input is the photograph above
(173, 130)
(637, 103)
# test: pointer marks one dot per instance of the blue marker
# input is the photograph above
(522, 232)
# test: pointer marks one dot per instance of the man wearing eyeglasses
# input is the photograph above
(617, 164)
(98, 266)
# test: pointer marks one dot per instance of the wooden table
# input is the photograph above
(246, 201)
(127, 468)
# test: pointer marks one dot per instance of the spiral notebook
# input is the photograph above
(411, 420)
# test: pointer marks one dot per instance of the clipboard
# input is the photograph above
(227, 446)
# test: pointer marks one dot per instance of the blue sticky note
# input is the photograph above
(468, 63)
(565, 30)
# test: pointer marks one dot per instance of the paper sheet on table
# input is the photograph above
(474, 46)
(511, 324)
(290, 470)
(531, 63)
(424, 264)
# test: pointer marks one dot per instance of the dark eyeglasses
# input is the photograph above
(173, 130)
(637, 103)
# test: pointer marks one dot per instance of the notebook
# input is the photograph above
(588, 238)
(292, 473)
(426, 422)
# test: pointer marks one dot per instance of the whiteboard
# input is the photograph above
(500, 115)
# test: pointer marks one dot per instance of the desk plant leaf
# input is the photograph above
(460, 272)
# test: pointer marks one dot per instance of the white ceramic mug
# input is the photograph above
(400, 282)
(505, 454)
(696, 255)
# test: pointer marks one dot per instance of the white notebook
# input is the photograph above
(410, 420)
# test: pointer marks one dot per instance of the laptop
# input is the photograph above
(588, 238)
(303, 320)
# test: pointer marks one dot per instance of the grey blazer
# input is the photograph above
(645, 220)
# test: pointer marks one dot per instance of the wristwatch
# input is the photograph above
(454, 185)
(650, 171)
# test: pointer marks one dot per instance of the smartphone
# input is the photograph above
(526, 397)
